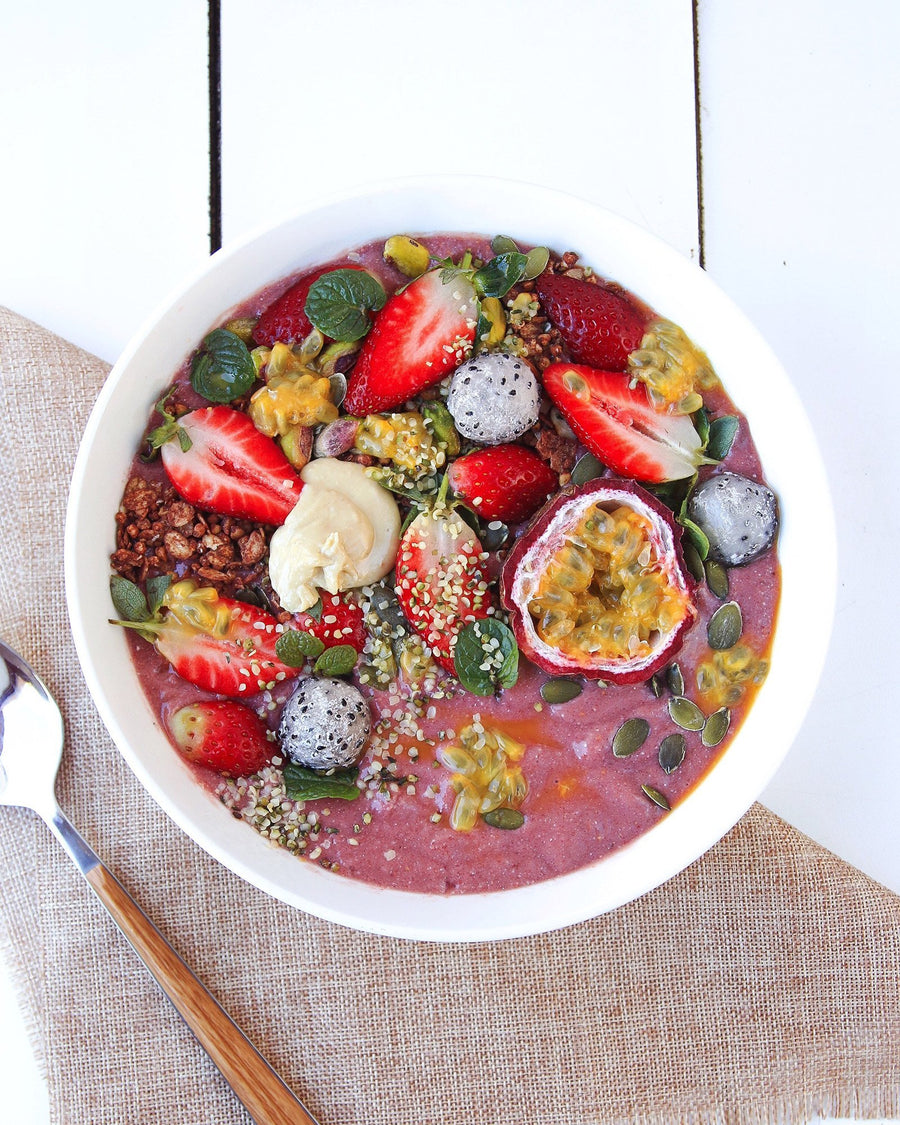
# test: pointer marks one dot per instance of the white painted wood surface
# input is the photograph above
(104, 152)
(593, 98)
(105, 132)
(799, 118)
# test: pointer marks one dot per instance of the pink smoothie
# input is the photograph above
(582, 801)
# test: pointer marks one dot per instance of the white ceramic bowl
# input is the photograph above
(669, 283)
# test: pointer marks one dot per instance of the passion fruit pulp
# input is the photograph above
(597, 584)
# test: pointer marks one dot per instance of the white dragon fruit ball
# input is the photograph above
(325, 724)
(737, 515)
(494, 398)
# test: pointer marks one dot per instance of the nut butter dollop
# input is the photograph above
(342, 533)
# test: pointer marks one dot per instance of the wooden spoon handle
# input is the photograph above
(264, 1093)
(268, 1100)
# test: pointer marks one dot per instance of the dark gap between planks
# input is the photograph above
(215, 126)
(698, 138)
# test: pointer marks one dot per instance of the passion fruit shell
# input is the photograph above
(597, 584)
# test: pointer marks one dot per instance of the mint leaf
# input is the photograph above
(700, 419)
(722, 432)
(224, 370)
(500, 274)
(486, 656)
(156, 591)
(339, 303)
(696, 535)
(295, 645)
(129, 600)
(302, 784)
(339, 660)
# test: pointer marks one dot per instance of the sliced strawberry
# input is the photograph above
(285, 320)
(219, 644)
(599, 327)
(218, 460)
(223, 735)
(617, 424)
(441, 585)
(419, 336)
(503, 482)
(339, 623)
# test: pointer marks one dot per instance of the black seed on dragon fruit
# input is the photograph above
(738, 516)
(325, 724)
(494, 398)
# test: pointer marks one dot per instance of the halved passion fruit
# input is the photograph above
(597, 585)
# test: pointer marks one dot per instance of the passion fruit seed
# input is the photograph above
(738, 516)
(716, 727)
(656, 797)
(602, 592)
(686, 714)
(725, 627)
(596, 585)
(630, 737)
(484, 778)
(671, 752)
(672, 368)
(494, 398)
(717, 579)
(724, 678)
(560, 691)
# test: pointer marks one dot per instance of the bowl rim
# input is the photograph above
(788, 451)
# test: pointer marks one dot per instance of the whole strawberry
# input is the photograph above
(598, 326)
(223, 735)
(503, 482)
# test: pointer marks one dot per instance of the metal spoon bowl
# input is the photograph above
(31, 746)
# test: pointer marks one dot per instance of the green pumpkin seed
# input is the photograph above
(502, 244)
(671, 752)
(504, 818)
(536, 262)
(686, 714)
(675, 679)
(560, 691)
(656, 797)
(717, 579)
(587, 468)
(630, 736)
(716, 727)
(725, 627)
(693, 561)
(656, 684)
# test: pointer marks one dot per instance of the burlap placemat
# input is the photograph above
(762, 984)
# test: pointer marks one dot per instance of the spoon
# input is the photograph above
(31, 744)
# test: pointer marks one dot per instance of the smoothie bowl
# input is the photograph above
(452, 561)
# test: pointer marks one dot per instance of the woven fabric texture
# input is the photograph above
(762, 984)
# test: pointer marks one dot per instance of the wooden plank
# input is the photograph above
(596, 98)
(799, 115)
(104, 151)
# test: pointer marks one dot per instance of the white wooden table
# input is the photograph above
(759, 139)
